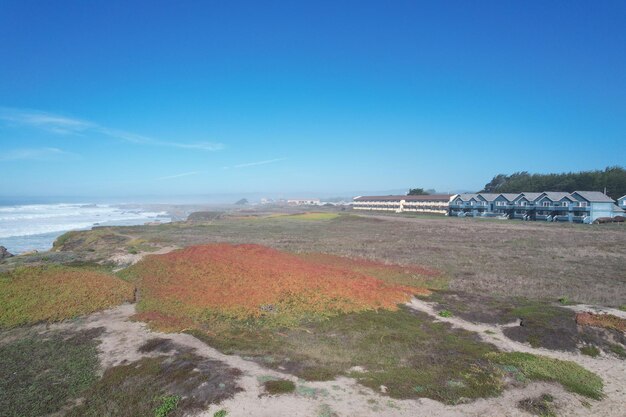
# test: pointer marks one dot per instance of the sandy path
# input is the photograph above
(125, 259)
(345, 397)
(612, 370)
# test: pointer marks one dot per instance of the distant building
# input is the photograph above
(579, 206)
(621, 202)
(436, 203)
(304, 202)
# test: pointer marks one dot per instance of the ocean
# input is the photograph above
(35, 226)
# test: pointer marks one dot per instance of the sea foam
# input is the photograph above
(35, 226)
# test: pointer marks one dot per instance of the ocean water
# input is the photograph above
(35, 226)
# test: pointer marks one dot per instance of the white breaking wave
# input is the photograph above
(35, 226)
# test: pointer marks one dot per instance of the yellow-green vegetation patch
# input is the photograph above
(572, 376)
(310, 216)
(98, 238)
(53, 293)
(135, 246)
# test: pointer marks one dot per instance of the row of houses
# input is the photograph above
(579, 206)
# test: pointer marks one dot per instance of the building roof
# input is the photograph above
(595, 196)
(467, 196)
(557, 195)
(489, 196)
(432, 197)
(617, 209)
(532, 196)
(622, 197)
(510, 196)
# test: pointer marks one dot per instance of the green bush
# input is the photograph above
(572, 376)
(590, 351)
(280, 386)
(168, 404)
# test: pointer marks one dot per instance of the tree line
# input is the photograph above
(613, 179)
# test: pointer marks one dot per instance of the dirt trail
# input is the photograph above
(125, 259)
(612, 370)
(343, 396)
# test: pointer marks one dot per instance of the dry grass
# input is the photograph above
(36, 294)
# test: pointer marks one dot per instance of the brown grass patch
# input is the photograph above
(605, 321)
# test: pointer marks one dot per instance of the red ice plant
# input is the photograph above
(253, 281)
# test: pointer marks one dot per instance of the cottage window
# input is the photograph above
(546, 204)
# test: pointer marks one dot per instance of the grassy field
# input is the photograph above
(530, 259)
(35, 294)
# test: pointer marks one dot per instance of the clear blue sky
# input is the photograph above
(127, 98)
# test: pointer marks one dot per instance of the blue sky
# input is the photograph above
(127, 98)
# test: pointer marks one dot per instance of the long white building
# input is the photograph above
(436, 203)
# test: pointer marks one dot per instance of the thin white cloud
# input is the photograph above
(67, 126)
(50, 122)
(35, 154)
(251, 164)
(184, 174)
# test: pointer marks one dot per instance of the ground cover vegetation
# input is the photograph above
(355, 327)
(41, 373)
(572, 376)
(605, 321)
(411, 275)
(52, 293)
(219, 281)
(57, 372)
(166, 385)
(279, 386)
(541, 323)
(339, 328)
(539, 406)
(498, 258)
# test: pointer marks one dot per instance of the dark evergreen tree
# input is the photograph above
(611, 178)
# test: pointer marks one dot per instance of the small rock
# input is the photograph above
(4, 253)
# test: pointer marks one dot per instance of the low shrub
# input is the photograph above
(168, 404)
(572, 376)
(590, 351)
(279, 386)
